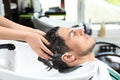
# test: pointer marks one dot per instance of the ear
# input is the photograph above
(68, 57)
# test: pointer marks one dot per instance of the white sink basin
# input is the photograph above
(22, 64)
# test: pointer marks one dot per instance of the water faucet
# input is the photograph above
(7, 46)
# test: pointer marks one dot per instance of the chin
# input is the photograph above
(92, 43)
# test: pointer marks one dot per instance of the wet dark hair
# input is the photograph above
(58, 47)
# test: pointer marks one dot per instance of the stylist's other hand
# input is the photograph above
(36, 40)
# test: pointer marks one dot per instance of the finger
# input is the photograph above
(45, 41)
(44, 55)
(46, 50)
(41, 32)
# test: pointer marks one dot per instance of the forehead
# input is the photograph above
(64, 32)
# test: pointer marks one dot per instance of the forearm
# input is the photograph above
(10, 34)
(10, 24)
(10, 30)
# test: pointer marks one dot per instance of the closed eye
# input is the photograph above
(72, 34)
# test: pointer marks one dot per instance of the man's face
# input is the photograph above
(79, 42)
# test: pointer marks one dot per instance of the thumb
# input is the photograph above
(41, 32)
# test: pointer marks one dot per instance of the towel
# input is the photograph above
(102, 72)
(93, 70)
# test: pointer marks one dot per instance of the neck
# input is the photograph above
(83, 59)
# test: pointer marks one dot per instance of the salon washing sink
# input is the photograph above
(22, 64)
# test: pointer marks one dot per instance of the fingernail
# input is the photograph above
(52, 54)
(50, 58)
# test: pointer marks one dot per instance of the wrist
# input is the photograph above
(25, 35)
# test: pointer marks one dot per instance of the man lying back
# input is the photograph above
(72, 50)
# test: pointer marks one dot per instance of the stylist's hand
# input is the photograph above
(36, 40)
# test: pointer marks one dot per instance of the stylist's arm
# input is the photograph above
(10, 30)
